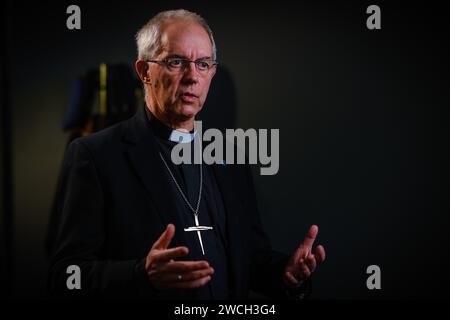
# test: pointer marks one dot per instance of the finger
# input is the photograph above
(301, 270)
(291, 279)
(192, 275)
(184, 266)
(311, 236)
(169, 277)
(169, 254)
(165, 279)
(298, 254)
(165, 238)
(311, 263)
(320, 254)
(304, 272)
(190, 284)
(307, 252)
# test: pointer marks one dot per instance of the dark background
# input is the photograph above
(363, 119)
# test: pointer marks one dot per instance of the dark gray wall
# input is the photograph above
(362, 117)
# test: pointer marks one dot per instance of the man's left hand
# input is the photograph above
(303, 262)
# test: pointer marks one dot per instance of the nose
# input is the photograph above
(190, 73)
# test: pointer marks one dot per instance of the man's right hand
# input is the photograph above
(166, 273)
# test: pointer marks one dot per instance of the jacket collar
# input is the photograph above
(143, 153)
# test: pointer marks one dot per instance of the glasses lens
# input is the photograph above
(179, 64)
(203, 65)
(175, 63)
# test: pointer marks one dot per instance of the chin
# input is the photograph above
(188, 111)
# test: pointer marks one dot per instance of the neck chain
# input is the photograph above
(195, 212)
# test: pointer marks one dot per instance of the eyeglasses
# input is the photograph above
(180, 64)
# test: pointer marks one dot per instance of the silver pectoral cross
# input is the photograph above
(199, 229)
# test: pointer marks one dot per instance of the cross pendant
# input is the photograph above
(199, 229)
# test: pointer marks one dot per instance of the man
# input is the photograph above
(136, 224)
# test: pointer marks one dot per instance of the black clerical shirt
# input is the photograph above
(211, 213)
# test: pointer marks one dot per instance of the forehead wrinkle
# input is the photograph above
(190, 42)
(181, 56)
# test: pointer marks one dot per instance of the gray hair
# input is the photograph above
(148, 38)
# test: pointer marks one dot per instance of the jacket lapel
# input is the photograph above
(143, 153)
(234, 211)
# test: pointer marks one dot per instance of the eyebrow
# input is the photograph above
(175, 55)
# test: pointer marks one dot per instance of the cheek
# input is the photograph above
(170, 86)
(166, 85)
(205, 92)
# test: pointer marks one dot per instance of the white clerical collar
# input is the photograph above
(179, 136)
(165, 132)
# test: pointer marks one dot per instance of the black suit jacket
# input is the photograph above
(114, 202)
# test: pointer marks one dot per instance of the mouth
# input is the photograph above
(188, 96)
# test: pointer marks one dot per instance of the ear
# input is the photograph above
(213, 71)
(142, 70)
